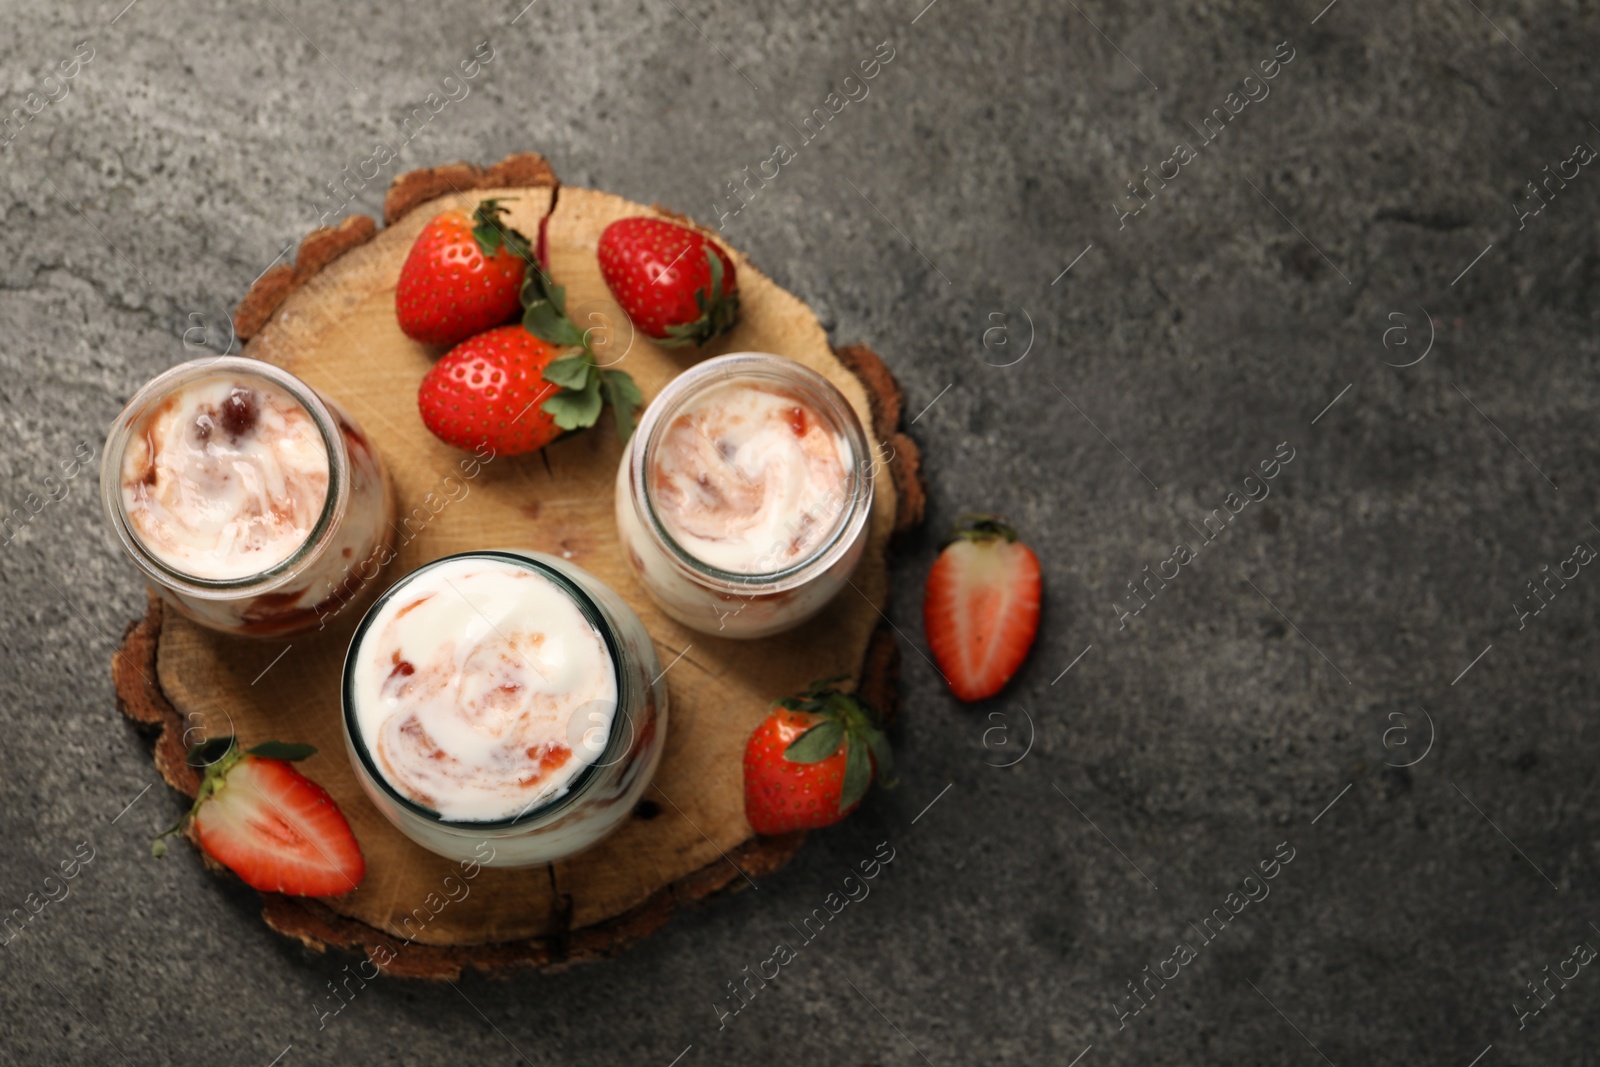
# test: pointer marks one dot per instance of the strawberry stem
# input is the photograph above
(491, 235)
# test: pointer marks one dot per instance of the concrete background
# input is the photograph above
(1383, 176)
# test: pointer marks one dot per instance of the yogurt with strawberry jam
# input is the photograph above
(742, 500)
(748, 477)
(225, 478)
(253, 504)
(502, 696)
(481, 690)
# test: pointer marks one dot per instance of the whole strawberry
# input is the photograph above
(676, 286)
(268, 823)
(981, 606)
(516, 393)
(811, 760)
(488, 390)
(463, 276)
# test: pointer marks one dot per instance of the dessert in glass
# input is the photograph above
(252, 504)
(742, 499)
(506, 698)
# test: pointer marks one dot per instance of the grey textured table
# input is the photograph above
(1346, 264)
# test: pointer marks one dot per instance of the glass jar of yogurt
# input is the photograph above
(252, 504)
(503, 698)
(742, 499)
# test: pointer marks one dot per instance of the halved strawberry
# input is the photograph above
(462, 276)
(268, 823)
(981, 606)
(811, 760)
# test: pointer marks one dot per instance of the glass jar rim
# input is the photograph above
(162, 386)
(761, 367)
(587, 606)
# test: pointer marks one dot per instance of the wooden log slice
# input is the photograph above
(330, 320)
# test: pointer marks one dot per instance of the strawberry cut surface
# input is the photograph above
(981, 609)
(279, 831)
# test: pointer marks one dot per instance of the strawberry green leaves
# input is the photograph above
(857, 773)
(569, 372)
(847, 719)
(544, 313)
(585, 387)
(623, 394)
(575, 408)
(719, 311)
(817, 743)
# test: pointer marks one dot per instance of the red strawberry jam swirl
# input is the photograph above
(225, 478)
(482, 690)
(748, 478)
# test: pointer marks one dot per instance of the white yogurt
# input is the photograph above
(226, 478)
(749, 478)
(482, 691)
